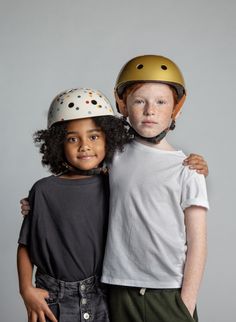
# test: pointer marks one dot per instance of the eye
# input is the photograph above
(94, 137)
(138, 101)
(160, 102)
(72, 139)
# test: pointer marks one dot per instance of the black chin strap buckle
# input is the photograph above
(172, 126)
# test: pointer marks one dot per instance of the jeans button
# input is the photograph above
(86, 316)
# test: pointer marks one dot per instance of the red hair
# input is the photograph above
(135, 86)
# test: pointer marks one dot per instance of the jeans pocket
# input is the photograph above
(53, 305)
(52, 299)
(184, 308)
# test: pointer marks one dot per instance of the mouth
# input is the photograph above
(149, 123)
(85, 157)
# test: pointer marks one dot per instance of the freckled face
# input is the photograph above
(85, 145)
(150, 108)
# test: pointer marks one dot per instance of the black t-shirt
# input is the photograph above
(65, 231)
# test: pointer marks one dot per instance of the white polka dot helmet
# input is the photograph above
(78, 103)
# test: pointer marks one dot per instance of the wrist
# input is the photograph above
(26, 289)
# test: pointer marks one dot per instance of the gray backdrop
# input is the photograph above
(50, 45)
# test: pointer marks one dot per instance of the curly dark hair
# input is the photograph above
(51, 141)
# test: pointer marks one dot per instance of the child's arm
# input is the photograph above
(197, 162)
(34, 298)
(195, 221)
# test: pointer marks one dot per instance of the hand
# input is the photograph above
(25, 207)
(196, 162)
(189, 305)
(36, 305)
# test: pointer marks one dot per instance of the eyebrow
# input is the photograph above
(89, 131)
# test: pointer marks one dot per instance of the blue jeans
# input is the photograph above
(80, 301)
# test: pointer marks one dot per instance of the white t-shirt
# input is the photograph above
(146, 243)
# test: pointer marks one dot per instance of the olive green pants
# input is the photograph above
(128, 304)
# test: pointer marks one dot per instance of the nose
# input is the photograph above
(83, 146)
(149, 109)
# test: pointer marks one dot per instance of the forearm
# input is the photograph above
(33, 297)
(193, 273)
(25, 269)
(196, 256)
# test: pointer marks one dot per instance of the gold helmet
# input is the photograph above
(150, 68)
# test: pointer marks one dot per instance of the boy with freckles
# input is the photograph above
(156, 245)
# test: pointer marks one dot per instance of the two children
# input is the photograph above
(157, 207)
(64, 235)
(156, 245)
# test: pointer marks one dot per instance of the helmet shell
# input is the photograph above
(150, 68)
(78, 103)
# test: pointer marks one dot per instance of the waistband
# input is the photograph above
(143, 290)
(51, 282)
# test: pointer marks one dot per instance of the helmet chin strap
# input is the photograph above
(91, 172)
(155, 139)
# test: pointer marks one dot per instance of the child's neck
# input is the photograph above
(75, 176)
(163, 145)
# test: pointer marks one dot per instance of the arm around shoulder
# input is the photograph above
(198, 163)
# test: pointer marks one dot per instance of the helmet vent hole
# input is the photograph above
(71, 105)
(164, 67)
(139, 66)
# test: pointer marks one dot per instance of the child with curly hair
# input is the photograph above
(64, 235)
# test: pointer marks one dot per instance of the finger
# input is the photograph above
(48, 312)
(33, 316)
(193, 155)
(25, 210)
(25, 207)
(203, 171)
(196, 162)
(41, 317)
(193, 159)
(50, 315)
(29, 314)
(45, 294)
(24, 201)
(197, 165)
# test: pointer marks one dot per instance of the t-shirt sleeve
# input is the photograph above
(24, 235)
(194, 192)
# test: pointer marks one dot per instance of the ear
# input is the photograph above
(124, 110)
(177, 115)
(121, 106)
(177, 109)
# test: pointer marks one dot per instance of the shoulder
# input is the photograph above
(42, 183)
(189, 175)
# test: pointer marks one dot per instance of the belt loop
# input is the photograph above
(142, 291)
(61, 289)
